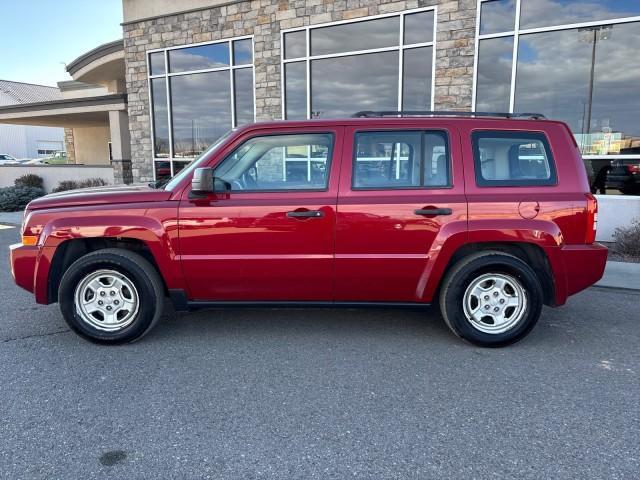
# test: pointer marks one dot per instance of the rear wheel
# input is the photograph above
(491, 299)
(111, 296)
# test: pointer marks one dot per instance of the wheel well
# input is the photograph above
(530, 253)
(71, 250)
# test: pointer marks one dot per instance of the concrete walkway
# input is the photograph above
(11, 218)
(620, 275)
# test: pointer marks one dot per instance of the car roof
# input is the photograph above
(482, 122)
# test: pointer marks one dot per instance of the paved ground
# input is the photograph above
(320, 394)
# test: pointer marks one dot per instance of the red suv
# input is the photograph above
(487, 217)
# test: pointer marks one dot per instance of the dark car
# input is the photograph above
(625, 173)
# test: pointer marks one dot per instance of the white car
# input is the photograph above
(8, 159)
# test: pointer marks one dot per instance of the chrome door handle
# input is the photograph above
(433, 211)
(305, 214)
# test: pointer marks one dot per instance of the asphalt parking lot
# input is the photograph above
(320, 394)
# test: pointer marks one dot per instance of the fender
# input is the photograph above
(156, 228)
(542, 233)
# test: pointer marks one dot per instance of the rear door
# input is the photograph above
(400, 191)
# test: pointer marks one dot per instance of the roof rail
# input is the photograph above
(443, 113)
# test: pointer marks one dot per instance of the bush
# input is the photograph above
(73, 185)
(13, 199)
(29, 180)
(628, 239)
(65, 185)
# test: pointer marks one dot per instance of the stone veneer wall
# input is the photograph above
(69, 145)
(264, 19)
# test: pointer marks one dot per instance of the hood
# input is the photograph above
(100, 196)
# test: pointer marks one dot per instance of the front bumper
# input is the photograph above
(24, 260)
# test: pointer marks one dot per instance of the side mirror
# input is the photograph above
(202, 181)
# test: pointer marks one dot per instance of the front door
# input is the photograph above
(271, 237)
(401, 192)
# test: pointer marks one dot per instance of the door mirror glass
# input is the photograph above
(202, 181)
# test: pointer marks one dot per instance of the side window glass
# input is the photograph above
(401, 159)
(513, 159)
(279, 162)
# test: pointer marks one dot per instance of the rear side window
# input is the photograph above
(513, 159)
(401, 159)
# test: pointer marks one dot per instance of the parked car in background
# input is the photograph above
(6, 159)
(487, 218)
(58, 158)
(625, 173)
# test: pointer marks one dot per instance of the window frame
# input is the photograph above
(516, 32)
(330, 158)
(400, 48)
(423, 131)
(166, 76)
(482, 182)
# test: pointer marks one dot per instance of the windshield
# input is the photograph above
(196, 162)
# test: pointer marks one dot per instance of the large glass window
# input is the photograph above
(197, 94)
(381, 63)
(279, 162)
(400, 159)
(574, 61)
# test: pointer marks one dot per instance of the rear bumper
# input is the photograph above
(582, 265)
(23, 260)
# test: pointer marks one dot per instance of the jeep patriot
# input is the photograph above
(488, 217)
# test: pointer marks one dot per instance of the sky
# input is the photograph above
(38, 36)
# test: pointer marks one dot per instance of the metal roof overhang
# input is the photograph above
(76, 112)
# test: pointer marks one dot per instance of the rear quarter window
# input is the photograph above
(512, 159)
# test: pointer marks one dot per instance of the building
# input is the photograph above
(22, 141)
(188, 71)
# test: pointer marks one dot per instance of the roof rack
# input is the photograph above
(443, 113)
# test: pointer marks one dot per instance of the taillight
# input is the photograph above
(592, 219)
(633, 169)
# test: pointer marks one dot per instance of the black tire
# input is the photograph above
(144, 277)
(470, 268)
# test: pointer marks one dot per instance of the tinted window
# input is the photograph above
(494, 75)
(295, 44)
(512, 159)
(497, 16)
(279, 162)
(382, 32)
(386, 160)
(242, 52)
(243, 92)
(160, 117)
(536, 13)
(156, 63)
(416, 82)
(295, 90)
(418, 28)
(199, 58)
(200, 111)
(345, 85)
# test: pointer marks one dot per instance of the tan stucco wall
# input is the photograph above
(133, 10)
(91, 145)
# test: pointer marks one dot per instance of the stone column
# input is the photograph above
(120, 146)
(69, 145)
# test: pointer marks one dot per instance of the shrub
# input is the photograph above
(628, 239)
(13, 199)
(29, 180)
(65, 185)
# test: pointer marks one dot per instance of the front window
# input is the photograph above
(279, 162)
(382, 63)
(197, 94)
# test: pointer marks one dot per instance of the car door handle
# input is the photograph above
(305, 214)
(433, 211)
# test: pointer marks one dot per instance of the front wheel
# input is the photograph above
(491, 299)
(111, 296)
